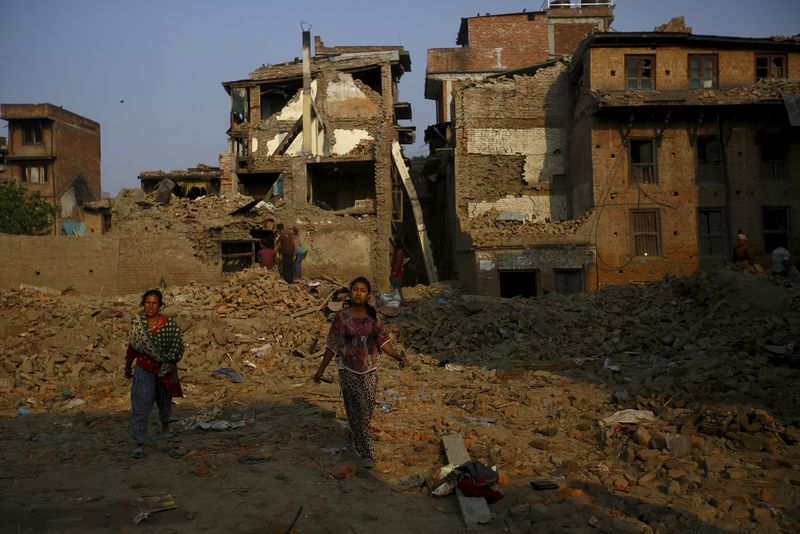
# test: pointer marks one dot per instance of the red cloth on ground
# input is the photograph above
(473, 488)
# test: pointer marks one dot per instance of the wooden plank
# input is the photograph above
(422, 234)
(473, 509)
(290, 136)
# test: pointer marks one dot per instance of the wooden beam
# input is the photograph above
(473, 509)
(422, 234)
(296, 127)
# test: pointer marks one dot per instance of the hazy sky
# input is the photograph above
(167, 58)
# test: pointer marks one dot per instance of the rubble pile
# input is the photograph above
(653, 408)
(204, 220)
(487, 227)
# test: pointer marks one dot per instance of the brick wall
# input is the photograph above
(567, 36)
(508, 30)
(101, 264)
(678, 196)
(77, 152)
(510, 142)
(736, 67)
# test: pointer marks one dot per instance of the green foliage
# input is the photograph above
(23, 211)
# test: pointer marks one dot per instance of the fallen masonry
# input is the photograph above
(658, 408)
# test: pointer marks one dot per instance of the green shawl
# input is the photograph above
(165, 346)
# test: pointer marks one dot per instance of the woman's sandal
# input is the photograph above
(137, 453)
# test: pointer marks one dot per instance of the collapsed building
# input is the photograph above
(191, 183)
(319, 142)
(639, 156)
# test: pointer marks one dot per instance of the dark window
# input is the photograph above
(643, 161)
(397, 200)
(709, 158)
(34, 174)
(775, 222)
(640, 72)
(568, 281)
(32, 134)
(237, 255)
(518, 283)
(773, 153)
(770, 66)
(711, 232)
(703, 72)
(342, 186)
(645, 232)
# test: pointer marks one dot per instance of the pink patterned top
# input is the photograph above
(356, 341)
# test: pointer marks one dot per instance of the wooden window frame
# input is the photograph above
(42, 177)
(769, 57)
(708, 170)
(704, 233)
(701, 80)
(638, 235)
(772, 169)
(635, 176)
(639, 69)
(32, 134)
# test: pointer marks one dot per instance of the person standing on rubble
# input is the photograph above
(741, 256)
(356, 338)
(299, 253)
(285, 246)
(156, 345)
(398, 269)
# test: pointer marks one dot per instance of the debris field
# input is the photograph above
(667, 407)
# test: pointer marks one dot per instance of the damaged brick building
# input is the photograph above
(501, 143)
(319, 140)
(641, 157)
(191, 183)
(55, 152)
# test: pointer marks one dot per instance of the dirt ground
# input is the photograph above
(526, 383)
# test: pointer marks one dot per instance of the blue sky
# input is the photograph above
(167, 58)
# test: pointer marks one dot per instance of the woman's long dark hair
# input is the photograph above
(156, 292)
(371, 311)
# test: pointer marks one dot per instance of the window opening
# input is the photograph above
(711, 232)
(773, 153)
(239, 105)
(275, 98)
(645, 231)
(258, 184)
(775, 222)
(237, 255)
(371, 78)
(640, 72)
(519, 283)
(265, 236)
(770, 66)
(397, 199)
(709, 158)
(34, 174)
(32, 134)
(342, 186)
(643, 163)
(703, 72)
